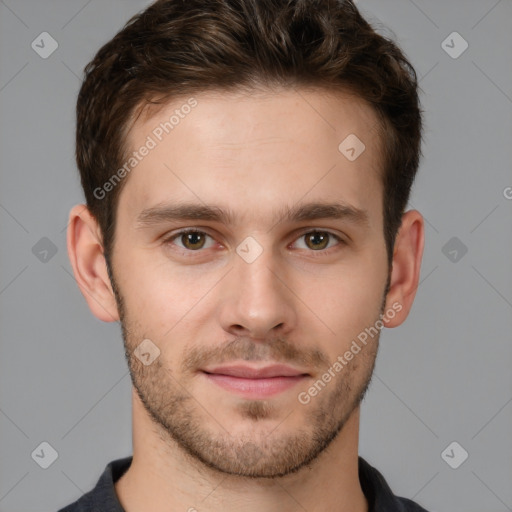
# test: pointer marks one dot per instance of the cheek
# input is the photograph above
(349, 301)
(145, 295)
(161, 297)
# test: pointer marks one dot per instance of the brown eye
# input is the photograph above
(191, 240)
(318, 241)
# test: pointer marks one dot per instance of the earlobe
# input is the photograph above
(405, 273)
(85, 252)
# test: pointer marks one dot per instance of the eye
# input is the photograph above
(194, 240)
(191, 239)
(319, 240)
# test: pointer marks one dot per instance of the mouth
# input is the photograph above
(255, 383)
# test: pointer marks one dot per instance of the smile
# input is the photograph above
(255, 383)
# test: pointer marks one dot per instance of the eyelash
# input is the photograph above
(171, 238)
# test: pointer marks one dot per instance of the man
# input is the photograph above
(246, 166)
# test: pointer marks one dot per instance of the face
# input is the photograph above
(284, 266)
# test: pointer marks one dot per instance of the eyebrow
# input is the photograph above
(301, 212)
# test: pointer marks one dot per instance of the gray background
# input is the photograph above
(443, 376)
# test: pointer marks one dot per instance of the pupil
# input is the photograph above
(318, 237)
(193, 238)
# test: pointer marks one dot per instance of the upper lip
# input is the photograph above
(248, 372)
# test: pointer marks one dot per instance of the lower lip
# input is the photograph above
(254, 388)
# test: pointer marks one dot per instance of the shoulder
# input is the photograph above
(102, 498)
(83, 504)
(379, 495)
(408, 505)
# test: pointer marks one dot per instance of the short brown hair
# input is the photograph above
(176, 47)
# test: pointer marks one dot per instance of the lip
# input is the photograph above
(253, 382)
(249, 372)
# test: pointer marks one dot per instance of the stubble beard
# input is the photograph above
(181, 421)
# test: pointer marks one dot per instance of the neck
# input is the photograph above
(163, 478)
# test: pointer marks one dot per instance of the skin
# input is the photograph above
(195, 444)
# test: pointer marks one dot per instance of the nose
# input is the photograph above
(258, 300)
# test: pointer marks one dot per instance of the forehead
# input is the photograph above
(256, 150)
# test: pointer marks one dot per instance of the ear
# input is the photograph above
(85, 250)
(405, 273)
